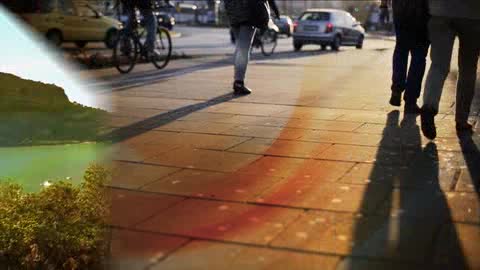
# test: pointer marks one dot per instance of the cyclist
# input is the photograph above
(145, 7)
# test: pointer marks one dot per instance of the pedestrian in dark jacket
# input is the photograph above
(239, 14)
(411, 20)
(452, 19)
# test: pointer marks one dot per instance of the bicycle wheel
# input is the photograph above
(268, 42)
(163, 49)
(125, 53)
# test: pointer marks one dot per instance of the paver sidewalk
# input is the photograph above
(313, 171)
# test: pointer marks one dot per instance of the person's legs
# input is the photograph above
(151, 25)
(400, 64)
(243, 37)
(416, 73)
(469, 35)
(442, 37)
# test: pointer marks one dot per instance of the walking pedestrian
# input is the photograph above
(385, 12)
(243, 16)
(411, 22)
(451, 19)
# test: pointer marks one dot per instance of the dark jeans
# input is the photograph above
(416, 45)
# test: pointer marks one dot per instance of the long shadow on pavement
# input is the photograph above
(123, 82)
(406, 226)
(124, 133)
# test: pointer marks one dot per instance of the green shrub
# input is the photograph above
(61, 227)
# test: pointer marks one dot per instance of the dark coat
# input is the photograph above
(410, 13)
(238, 11)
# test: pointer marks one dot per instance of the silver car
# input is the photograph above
(327, 27)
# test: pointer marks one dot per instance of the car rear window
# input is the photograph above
(315, 16)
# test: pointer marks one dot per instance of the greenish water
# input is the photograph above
(32, 166)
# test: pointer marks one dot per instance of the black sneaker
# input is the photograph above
(239, 88)
(412, 108)
(396, 98)
(428, 123)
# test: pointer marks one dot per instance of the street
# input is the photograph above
(313, 170)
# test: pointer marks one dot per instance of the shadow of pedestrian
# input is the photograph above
(471, 154)
(135, 129)
(414, 214)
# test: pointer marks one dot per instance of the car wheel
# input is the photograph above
(111, 38)
(81, 44)
(324, 47)
(336, 43)
(297, 46)
(55, 37)
(360, 43)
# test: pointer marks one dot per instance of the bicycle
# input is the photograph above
(131, 44)
(266, 40)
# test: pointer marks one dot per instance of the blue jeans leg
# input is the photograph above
(151, 25)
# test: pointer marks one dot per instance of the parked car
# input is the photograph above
(62, 21)
(327, 27)
(285, 25)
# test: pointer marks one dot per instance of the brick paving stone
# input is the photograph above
(293, 168)
(361, 154)
(314, 193)
(204, 159)
(458, 247)
(311, 113)
(342, 138)
(196, 126)
(150, 137)
(400, 176)
(152, 103)
(130, 207)
(364, 116)
(135, 175)
(468, 181)
(222, 221)
(284, 148)
(248, 109)
(236, 257)
(266, 132)
(435, 204)
(204, 116)
(464, 207)
(323, 125)
(138, 250)
(204, 184)
(370, 236)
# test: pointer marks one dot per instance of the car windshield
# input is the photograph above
(315, 16)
